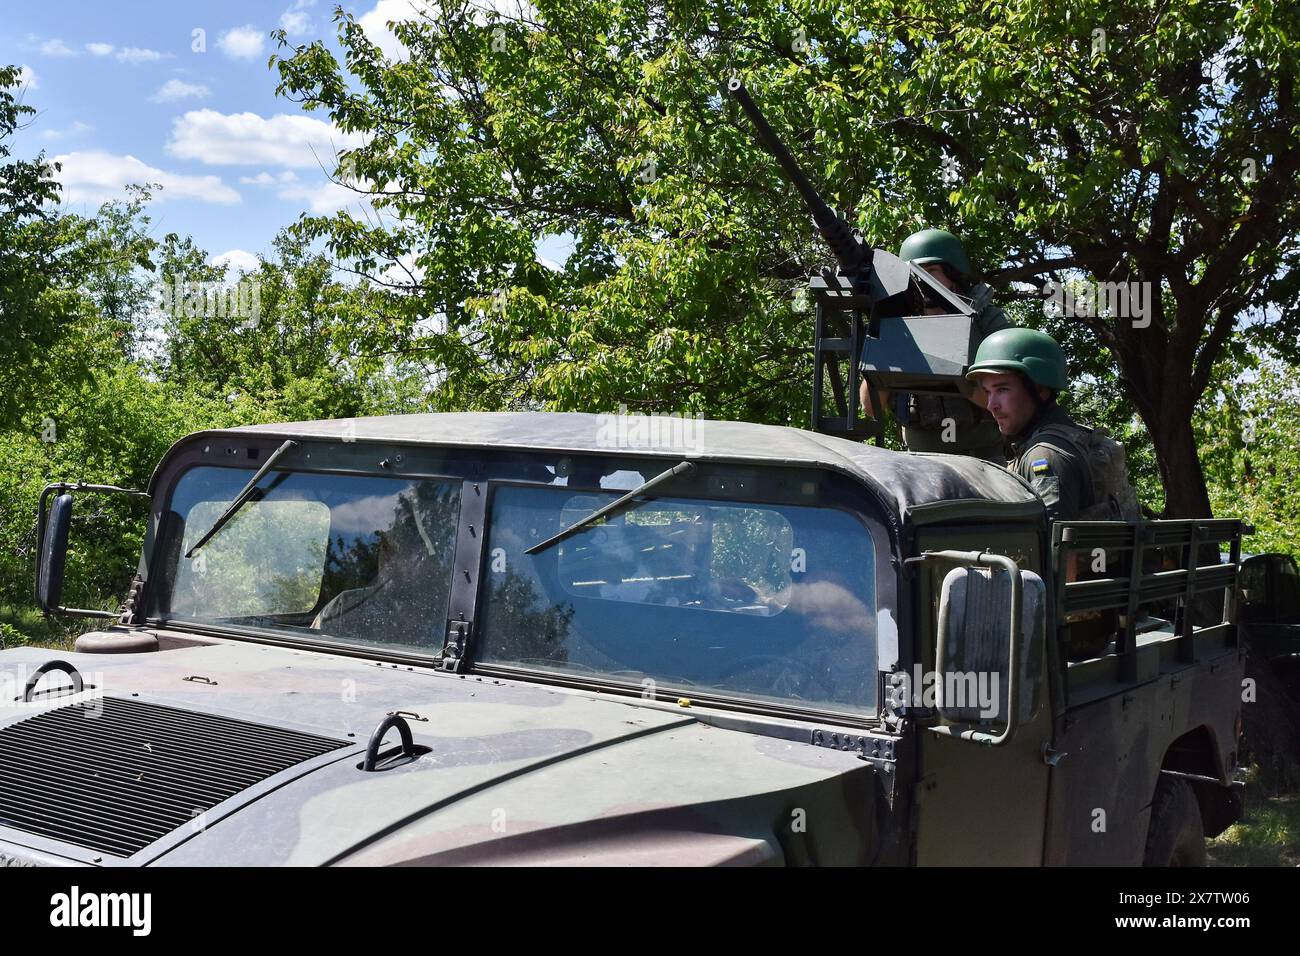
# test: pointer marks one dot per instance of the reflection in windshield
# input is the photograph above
(362, 560)
(760, 600)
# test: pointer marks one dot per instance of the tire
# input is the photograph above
(1176, 835)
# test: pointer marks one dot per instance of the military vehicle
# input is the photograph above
(625, 640)
(1270, 606)
(561, 638)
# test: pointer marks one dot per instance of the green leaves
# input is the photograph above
(1109, 136)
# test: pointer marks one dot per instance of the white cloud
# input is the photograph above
(237, 259)
(321, 200)
(76, 129)
(100, 49)
(178, 90)
(57, 47)
(375, 22)
(27, 77)
(135, 54)
(266, 179)
(242, 43)
(96, 176)
(296, 21)
(246, 139)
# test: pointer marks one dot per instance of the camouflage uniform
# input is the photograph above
(1078, 472)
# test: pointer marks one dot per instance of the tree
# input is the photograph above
(1249, 437)
(39, 303)
(280, 342)
(1129, 143)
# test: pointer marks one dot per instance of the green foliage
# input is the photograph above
(1249, 438)
(606, 126)
(111, 429)
(1267, 835)
(98, 382)
(1086, 139)
(23, 625)
(293, 351)
(39, 307)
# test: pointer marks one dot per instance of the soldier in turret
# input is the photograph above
(936, 423)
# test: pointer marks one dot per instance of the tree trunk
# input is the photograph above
(1186, 495)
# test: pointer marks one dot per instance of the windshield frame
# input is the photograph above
(841, 499)
(482, 470)
(155, 556)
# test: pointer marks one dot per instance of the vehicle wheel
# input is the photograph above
(1176, 835)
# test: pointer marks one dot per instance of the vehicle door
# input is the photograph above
(979, 804)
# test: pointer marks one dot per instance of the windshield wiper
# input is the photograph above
(242, 498)
(681, 468)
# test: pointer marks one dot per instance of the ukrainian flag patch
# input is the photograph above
(1040, 467)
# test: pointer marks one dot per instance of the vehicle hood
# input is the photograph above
(515, 772)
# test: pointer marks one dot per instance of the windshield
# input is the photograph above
(357, 559)
(740, 598)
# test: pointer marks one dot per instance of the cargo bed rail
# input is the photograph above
(1128, 570)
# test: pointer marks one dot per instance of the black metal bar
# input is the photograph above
(681, 468)
(112, 754)
(377, 738)
(62, 666)
(206, 743)
(819, 361)
(53, 802)
(230, 725)
(1230, 595)
(242, 498)
(1186, 639)
(847, 249)
(1126, 640)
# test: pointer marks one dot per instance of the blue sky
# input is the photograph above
(124, 96)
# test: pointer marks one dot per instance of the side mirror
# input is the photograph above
(53, 522)
(982, 633)
(52, 556)
(989, 646)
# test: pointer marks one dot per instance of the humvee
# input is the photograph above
(1270, 606)
(554, 638)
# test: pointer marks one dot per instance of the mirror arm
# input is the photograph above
(41, 514)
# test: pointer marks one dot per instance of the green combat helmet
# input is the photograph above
(1033, 354)
(934, 245)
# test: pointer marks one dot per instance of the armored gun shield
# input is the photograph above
(928, 354)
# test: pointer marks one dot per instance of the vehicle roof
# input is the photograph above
(909, 480)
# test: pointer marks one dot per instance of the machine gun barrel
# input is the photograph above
(853, 258)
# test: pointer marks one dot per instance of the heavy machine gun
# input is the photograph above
(870, 312)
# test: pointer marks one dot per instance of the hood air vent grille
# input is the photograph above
(116, 779)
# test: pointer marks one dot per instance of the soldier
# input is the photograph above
(1079, 472)
(928, 419)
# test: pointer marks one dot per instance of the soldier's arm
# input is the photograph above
(1057, 477)
(864, 399)
(993, 319)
